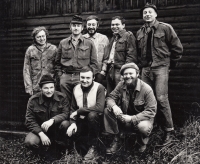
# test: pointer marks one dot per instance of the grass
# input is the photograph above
(185, 148)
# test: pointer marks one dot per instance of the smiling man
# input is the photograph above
(100, 42)
(46, 114)
(39, 60)
(121, 50)
(73, 54)
(159, 48)
(131, 106)
(87, 110)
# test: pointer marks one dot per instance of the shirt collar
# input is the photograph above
(93, 36)
(80, 38)
(121, 33)
(55, 97)
(155, 25)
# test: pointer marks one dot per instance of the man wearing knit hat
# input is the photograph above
(46, 114)
(158, 49)
(130, 106)
(73, 54)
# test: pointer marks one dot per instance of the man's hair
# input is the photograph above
(120, 18)
(37, 30)
(92, 17)
(87, 69)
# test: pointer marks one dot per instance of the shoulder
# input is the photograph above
(31, 47)
(166, 25)
(34, 97)
(60, 94)
(145, 86)
(64, 40)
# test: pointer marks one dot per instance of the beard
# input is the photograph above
(91, 31)
(132, 83)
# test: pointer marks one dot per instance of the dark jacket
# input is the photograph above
(125, 49)
(38, 111)
(72, 59)
(145, 104)
(165, 45)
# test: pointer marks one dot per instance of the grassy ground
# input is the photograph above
(185, 148)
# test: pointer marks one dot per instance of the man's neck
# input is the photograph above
(76, 36)
(91, 35)
(151, 23)
(86, 89)
(41, 46)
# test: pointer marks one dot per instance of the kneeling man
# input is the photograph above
(87, 107)
(131, 106)
(46, 114)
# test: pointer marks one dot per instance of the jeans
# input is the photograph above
(157, 78)
(67, 83)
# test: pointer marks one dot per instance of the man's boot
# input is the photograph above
(168, 137)
(114, 147)
(91, 154)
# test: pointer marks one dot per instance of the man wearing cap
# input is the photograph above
(131, 106)
(121, 50)
(87, 107)
(100, 42)
(46, 114)
(159, 48)
(39, 60)
(73, 54)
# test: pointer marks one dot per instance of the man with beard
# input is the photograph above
(121, 50)
(131, 106)
(39, 60)
(45, 116)
(87, 111)
(100, 42)
(158, 49)
(73, 54)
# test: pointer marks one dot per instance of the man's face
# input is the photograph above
(86, 78)
(149, 15)
(130, 75)
(117, 26)
(41, 38)
(92, 26)
(76, 29)
(48, 89)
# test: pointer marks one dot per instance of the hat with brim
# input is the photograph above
(128, 65)
(46, 79)
(148, 5)
(76, 20)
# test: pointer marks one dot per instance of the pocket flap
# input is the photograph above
(159, 35)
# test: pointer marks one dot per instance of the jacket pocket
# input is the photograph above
(67, 53)
(120, 45)
(56, 110)
(159, 40)
(84, 52)
(40, 115)
(139, 105)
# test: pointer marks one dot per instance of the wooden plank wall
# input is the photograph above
(184, 83)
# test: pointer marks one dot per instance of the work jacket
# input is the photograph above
(38, 111)
(165, 45)
(145, 105)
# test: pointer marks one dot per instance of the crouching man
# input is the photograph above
(131, 106)
(46, 114)
(87, 107)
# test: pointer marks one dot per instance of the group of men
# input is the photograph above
(82, 63)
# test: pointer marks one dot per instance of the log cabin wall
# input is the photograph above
(19, 17)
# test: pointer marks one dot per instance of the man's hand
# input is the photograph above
(73, 115)
(45, 140)
(72, 128)
(103, 73)
(116, 110)
(126, 118)
(30, 92)
(45, 126)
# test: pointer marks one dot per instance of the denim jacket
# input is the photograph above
(72, 59)
(145, 104)
(165, 45)
(38, 112)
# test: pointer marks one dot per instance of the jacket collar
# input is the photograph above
(155, 25)
(121, 33)
(94, 36)
(80, 38)
(41, 99)
(46, 47)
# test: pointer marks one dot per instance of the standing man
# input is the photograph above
(39, 60)
(130, 106)
(158, 45)
(121, 50)
(46, 114)
(100, 42)
(74, 53)
(87, 110)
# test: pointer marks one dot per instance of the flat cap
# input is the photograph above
(77, 19)
(128, 65)
(147, 6)
(46, 79)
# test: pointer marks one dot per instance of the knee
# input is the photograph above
(64, 125)
(145, 128)
(162, 98)
(31, 141)
(92, 116)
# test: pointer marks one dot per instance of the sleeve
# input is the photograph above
(73, 108)
(27, 72)
(150, 109)
(93, 58)
(105, 56)
(58, 65)
(31, 122)
(65, 112)
(100, 103)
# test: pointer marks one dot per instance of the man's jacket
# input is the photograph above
(38, 111)
(145, 105)
(37, 64)
(165, 45)
(125, 49)
(71, 59)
